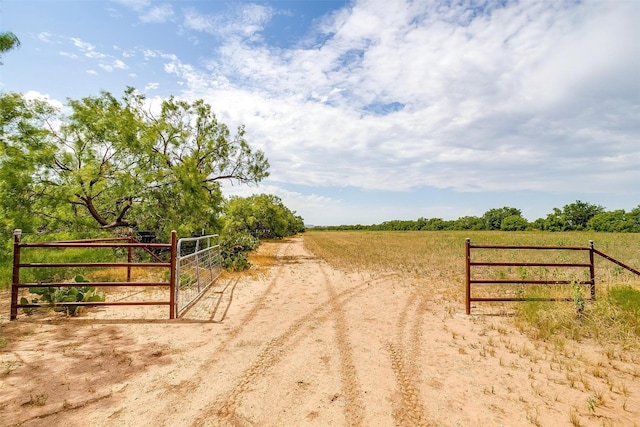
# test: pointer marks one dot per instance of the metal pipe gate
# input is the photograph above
(119, 242)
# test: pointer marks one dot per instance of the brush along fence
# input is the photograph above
(127, 244)
(500, 270)
(199, 264)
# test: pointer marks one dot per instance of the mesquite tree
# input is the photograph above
(8, 41)
(119, 163)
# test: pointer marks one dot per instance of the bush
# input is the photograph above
(234, 250)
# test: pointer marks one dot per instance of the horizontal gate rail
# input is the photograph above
(568, 248)
(128, 243)
(530, 282)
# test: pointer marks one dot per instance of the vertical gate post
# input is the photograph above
(198, 264)
(467, 244)
(172, 281)
(17, 237)
(129, 253)
(129, 259)
(210, 260)
(592, 271)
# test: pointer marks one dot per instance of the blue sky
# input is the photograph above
(372, 110)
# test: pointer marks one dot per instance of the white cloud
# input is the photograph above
(32, 95)
(120, 64)
(92, 72)
(312, 207)
(44, 37)
(68, 55)
(157, 14)
(243, 20)
(514, 97)
(95, 55)
(84, 46)
(151, 86)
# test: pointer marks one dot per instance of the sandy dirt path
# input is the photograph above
(302, 344)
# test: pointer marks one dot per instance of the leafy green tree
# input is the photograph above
(538, 224)
(24, 146)
(434, 224)
(263, 216)
(469, 223)
(578, 214)
(616, 221)
(573, 216)
(555, 221)
(493, 217)
(8, 41)
(514, 223)
(121, 163)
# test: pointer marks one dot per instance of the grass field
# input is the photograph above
(436, 260)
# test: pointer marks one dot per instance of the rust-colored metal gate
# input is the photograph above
(128, 243)
(470, 280)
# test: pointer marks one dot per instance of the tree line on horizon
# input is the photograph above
(577, 216)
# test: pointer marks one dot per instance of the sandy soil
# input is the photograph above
(302, 344)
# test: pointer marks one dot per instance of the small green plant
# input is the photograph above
(592, 403)
(53, 296)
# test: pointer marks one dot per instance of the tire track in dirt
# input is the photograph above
(224, 408)
(354, 409)
(260, 302)
(410, 411)
(223, 411)
(198, 378)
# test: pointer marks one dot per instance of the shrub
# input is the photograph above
(234, 250)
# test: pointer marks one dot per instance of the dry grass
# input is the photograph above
(442, 252)
(438, 258)
(589, 360)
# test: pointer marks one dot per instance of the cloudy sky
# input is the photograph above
(372, 110)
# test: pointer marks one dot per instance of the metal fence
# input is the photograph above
(198, 265)
(127, 243)
(587, 265)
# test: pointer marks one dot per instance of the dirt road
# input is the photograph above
(298, 344)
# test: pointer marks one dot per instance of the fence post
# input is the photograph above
(592, 271)
(172, 280)
(210, 262)
(467, 244)
(17, 237)
(129, 260)
(198, 264)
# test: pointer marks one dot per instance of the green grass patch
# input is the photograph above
(612, 319)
